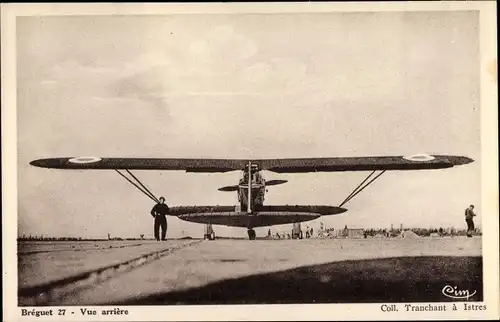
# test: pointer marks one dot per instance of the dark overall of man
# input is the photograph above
(159, 212)
(469, 219)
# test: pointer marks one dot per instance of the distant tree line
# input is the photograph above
(47, 238)
(30, 238)
(72, 238)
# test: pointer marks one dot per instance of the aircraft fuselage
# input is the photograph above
(253, 180)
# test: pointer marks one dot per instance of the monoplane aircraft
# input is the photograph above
(251, 211)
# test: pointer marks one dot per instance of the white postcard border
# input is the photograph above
(489, 135)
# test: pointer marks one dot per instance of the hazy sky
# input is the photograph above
(238, 86)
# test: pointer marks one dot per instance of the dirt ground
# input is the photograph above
(259, 271)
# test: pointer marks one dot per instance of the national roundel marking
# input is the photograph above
(419, 157)
(84, 160)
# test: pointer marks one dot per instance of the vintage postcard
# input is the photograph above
(307, 161)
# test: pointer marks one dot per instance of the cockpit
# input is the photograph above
(256, 177)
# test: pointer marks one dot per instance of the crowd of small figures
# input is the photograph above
(373, 232)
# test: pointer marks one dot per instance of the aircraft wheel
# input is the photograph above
(251, 234)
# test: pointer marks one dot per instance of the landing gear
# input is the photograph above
(251, 234)
(210, 236)
(296, 231)
(209, 232)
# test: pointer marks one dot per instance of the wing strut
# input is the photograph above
(360, 187)
(249, 206)
(144, 189)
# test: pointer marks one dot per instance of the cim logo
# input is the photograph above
(454, 293)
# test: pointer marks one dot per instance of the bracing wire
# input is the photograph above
(358, 190)
(355, 189)
(142, 185)
(152, 197)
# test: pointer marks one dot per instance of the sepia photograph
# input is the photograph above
(179, 159)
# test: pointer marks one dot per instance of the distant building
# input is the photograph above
(409, 234)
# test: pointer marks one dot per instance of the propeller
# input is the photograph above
(228, 188)
(268, 183)
(275, 182)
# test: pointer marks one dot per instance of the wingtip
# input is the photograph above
(44, 163)
(460, 160)
(36, 163)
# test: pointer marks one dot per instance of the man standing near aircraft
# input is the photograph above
(469, 219)
(159, 212)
